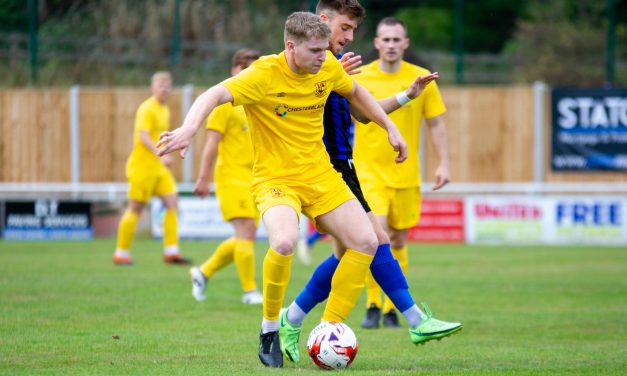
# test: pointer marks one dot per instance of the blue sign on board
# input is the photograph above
(589, 129)
(47, 220)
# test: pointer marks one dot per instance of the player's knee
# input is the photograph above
(369, 244)
(397, 239)
(136, 207)
(249, 233)
(283, 245)
(170, 204)
(249, 230)
(398, 243)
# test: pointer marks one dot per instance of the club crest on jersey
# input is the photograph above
(321, 89)
(277, 192)
(280, 110)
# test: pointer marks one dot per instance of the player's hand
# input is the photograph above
(442, 178)
(420, 83)
(201, 188)
(350, 62)
(398, 143)
(170, 141)
(167, 161)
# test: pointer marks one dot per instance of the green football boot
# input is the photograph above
(288, 336)
(431, 328)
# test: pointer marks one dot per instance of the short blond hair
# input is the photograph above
(304, 26)
(161, 75)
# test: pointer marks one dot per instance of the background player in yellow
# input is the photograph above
(229, 147)
(284, 97)
(149, 175)
(393, 190)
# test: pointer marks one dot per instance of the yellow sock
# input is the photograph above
(244, 257)
(401, 256)
(346, 285)
(220, 258)
(276, 276)
(170, 230)
(373, 291)
(126, 230)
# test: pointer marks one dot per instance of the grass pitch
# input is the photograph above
(66, 310)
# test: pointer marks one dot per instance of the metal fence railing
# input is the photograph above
(14, 49)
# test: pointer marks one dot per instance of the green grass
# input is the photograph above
(65, 310)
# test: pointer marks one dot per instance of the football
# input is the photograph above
(332, 345)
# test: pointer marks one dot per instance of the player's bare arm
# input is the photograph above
(437, 129)
(180, 138)
(393, 103)
(207, 163)
(366, 104)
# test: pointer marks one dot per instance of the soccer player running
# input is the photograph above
(392, 190)
(228, 146)
(343, 18)
(149, 174)
(284, 97)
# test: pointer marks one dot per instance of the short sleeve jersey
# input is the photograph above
(235, 150)
(154, 118)
(285, 112)
(374, 157)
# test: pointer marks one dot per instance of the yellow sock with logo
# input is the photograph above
(346, 285)
(276, 276)
(222, 256)
(170, 228)
(244, 257)
(126, 230)
(401, 255)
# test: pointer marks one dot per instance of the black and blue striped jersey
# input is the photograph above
(338, 127)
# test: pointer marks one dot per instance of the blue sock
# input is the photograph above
(313, 238)
(388, 274)
(318, 287)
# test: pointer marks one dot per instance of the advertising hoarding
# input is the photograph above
(589, 129)
(47, 220)
(199, 218)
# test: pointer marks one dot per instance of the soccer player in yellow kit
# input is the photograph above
(229, 146)
(284, 97)
(393, 190)
(343, 17)
(149, 174)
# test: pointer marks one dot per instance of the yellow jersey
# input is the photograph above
(235, 149)
(285, 112)
(373, 155)
(154, 118)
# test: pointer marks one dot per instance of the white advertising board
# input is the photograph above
(546, 220)
(589, 220)
(199, 218)
(509, 220)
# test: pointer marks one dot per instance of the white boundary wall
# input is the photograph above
(494, 213)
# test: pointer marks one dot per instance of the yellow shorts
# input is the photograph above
(235, 198)
(142, 186)
(312, 197)
(401, 206)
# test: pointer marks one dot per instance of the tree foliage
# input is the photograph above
(13, 16)
(563, 42)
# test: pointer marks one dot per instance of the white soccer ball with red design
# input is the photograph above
(332, 345)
